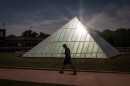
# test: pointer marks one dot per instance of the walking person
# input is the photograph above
(67, 60)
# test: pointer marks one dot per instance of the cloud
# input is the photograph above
(99, 21)
(37, 19)
(49, 22)
(50, 25)
(51, 18)
(111, 6)
(18, 29)
(15, 29)
(43, 25)
(123, 12)
(102, 21)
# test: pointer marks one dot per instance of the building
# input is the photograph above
(20, 41)
(2, 36)
(15, 43)
(83, 43)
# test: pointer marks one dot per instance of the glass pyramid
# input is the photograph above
(83, 43)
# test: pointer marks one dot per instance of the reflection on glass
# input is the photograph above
(67, 35)
(85, 47)
(88, 55)
(56, 50)
(58, 35)
(53, 37)
(61, 48)
(90, 47)
(83, 37)
(75, 23)
(99, 55)
(71, 45)
(70, 25)
(88, 37)
(75, 35)
(75, 47)
(82, 56)
(78, 36)
(99, 49)
(40, 48)
(48, 47)
(95, 48)
(77, 55)
(81, 29)
(80, 47)
(62, 35)
(71, 34)
(52, 47)
(93, 55)
(91, 39)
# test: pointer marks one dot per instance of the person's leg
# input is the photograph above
(74, 73)
(63, 68)
(72, 66)
(62, 71)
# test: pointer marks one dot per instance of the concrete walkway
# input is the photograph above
(81, 79)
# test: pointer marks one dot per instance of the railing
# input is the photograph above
(124, 50)
(14, 49)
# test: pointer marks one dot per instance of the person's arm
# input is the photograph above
(67, 52)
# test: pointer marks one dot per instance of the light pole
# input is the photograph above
(19, 45)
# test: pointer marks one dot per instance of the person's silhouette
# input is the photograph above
(67, 60)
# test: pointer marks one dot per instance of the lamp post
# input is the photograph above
(19, 46)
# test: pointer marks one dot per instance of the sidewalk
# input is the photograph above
(82, 78)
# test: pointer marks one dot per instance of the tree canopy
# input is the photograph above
(33, 34)
(29, 33)
(118, 38)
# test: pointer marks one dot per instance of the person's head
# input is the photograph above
(64, 45)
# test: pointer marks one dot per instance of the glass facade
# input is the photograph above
(75, 36)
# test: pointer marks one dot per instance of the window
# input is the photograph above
(90, 47)
(58, 35)
(85, 47)
(62, 35)
(75, 47)
(71, 34)
(80, 47)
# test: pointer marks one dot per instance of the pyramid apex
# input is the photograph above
(71, 23)
(75, 18)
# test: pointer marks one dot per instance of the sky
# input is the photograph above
(50, 15)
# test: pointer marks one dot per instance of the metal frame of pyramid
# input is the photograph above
(83, 43)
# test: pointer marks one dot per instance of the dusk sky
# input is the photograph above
(49, 15)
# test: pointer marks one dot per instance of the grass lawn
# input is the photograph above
(121, 63)
(25, 83)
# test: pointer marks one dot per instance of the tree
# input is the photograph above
(118, 38)
(29, 33)
(43, 35)
(34, 34)
(11, 36)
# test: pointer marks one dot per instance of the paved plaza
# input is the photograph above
(81, 79)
